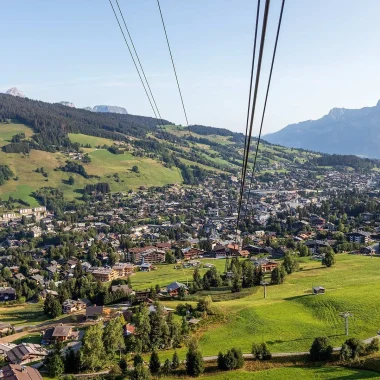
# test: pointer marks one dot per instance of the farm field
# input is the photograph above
(7, 131)
(291, 373)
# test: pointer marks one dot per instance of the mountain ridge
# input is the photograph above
(340, 131)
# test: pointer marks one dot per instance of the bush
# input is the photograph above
(233, 359)
(321, 350)
(140, 373)
(373, 346)
(352, 349)
(261, 351)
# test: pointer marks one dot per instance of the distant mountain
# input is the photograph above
(67, 104)
(111, 109)
(341, 131)
(15, 92)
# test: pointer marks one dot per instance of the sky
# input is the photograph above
(72, 50)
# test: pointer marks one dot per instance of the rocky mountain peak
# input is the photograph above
(15, 92)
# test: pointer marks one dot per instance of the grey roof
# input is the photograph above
(175, 285)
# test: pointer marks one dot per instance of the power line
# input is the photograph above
(133, 59)
(142, 70)
(261, 52)
(266, 99)
(175, 71)
(250, 84)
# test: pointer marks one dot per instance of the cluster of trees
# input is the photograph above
(260, 351)
(19, 147)
(74, 167)
(18, 137)
(114, 149)
(156, 330)
(232, 359)
(352, 349)
(101, 187)
(5, 174)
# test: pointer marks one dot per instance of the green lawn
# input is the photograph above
(32, 338)
(292, 373)
(94, 141)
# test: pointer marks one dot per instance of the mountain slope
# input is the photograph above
(341, 131)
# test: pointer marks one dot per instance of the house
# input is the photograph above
(59, 334)
(192, 253)
(124, 288)
(7, 294)
(360, 237)
(318, 290)
(5, 347)
(129, 330)
(316, 245)
(94, 312)
(45, 292)
(104, 274)
(19, 372)
(266, 265)
(146, 267)
(142, 295)
(174, 287)
(124, 269)
(70, 306)
(26, 353)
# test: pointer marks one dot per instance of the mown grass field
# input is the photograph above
(25, 314)
(293, 373)
(291, 317)
(7, 131)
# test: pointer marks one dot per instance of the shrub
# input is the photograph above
(261, 351)
(373, 346)
(233, 359)
(321, 350)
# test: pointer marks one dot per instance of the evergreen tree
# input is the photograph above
(54, 365)
(278, 275)
(143, 328)
(166, 367)
(154, 363)
(194, 360)
(175, 360)
(140, 373)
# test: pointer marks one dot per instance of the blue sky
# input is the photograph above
(72, 50)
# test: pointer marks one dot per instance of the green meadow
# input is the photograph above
(290, 317)
(292, 373)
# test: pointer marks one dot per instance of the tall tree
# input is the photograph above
(93, 352)
(113, 336)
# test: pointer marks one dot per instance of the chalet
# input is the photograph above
(244, 253)
(123, 288)
(129, 330)
(7, 294)
(266, 265)
(124, 269)
(4, 348)
(59, 334)
(104, 274)
(43, 294)
(71, 306)
(360, 237)
(94, 312)
(232, 249)
(146, 267)
(316, 245)
(164, 246)
(192, 253)
(174, 287)
(142, 295)
(19, 372)
(317, 221)
(26, 353)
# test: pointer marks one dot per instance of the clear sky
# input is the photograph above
(72, 50)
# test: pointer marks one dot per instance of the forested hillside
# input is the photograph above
(77, 151)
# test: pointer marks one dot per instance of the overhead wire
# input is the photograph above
(250, 83)
(174, 68)
(143, 71)
(253, 107)
(159, 119)
(266, 99)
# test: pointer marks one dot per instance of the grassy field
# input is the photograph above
(104, 164)
(166, 273)
(7, 131)
(292, 373)
(94, 141)
(291, 317)
(25, 314)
